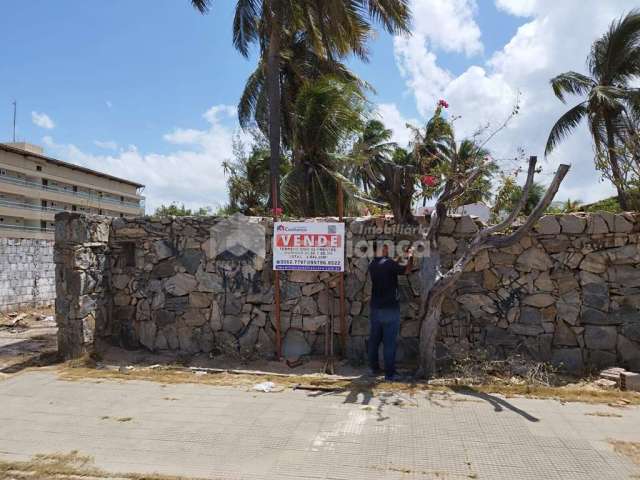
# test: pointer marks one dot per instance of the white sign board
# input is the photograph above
(308, 246)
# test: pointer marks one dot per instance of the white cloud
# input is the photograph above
(192, 175)
(42, 120)
(521, 8)
(448, 25)
(393, 119)
(108, 104)
(540, 49)
(108, 145)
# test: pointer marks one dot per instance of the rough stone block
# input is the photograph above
(568, 359)
(600, 337)
(547, 225)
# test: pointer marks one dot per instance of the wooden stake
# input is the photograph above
(343, 321)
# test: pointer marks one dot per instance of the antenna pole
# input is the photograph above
(15, 108)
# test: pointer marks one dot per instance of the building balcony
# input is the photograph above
(9, 208)
(21, 231)
(28, 188)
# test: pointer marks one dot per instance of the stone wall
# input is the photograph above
(27, 274)
(82, 294)
(567, 293)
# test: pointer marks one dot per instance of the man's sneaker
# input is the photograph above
(394, 378)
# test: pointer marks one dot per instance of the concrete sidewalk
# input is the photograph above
(228, 433)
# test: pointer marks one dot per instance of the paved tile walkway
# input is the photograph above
(227, 433)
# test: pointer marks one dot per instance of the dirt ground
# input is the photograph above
(27, 339)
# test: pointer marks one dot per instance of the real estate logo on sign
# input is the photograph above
(308, 246)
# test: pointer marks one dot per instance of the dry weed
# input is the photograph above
(628, 449)
(60, 466)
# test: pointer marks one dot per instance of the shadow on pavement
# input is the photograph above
(499, 404)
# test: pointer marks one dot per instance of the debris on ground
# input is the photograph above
(630, 381)
(265, 387)
(27, 339)
(294, 362)
(606, 384)
(623, 379)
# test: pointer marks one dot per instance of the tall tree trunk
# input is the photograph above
(273, 92)
(428, 336)
(615, 166)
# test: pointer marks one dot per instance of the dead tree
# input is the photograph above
(436, 285)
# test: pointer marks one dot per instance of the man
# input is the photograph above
(384, 311)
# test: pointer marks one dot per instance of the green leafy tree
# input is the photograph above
(509, 195)
(175, 210)
(248, 177)
(614, 66)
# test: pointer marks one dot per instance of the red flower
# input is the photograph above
(443, 103)
(277, 212)
(429, 180)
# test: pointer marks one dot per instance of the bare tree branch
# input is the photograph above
(435, 289)
(543, 204)
(521, 203)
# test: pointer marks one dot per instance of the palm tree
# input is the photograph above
(327, 112)
(373, 148)
(469, 155)
(335, 28)
(298, 63)
(613, 63)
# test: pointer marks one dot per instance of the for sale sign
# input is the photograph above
(308, 246)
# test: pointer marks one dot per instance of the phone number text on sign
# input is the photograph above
(308, 246)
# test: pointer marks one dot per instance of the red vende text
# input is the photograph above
(308, 240)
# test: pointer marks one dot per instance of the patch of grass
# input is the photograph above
(564, 394)
(117, 419)
(628, 449)
(60, 466)
(603, 414)
(169, 375)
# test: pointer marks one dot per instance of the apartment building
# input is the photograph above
(34, 187)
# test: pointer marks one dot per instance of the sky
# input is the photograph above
(146, 90)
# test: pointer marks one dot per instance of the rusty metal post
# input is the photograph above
(276, 293)
(343, 321)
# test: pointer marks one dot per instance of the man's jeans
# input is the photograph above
(384, 324)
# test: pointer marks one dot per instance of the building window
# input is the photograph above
(43, 225)
(121, 198)
(3, 171)
(100, 212)
(38, 168)
(73, 208)
(75, 188)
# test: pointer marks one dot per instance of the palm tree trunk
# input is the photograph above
(273, 92)
(616, 173)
